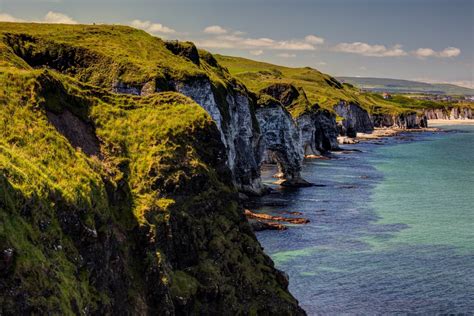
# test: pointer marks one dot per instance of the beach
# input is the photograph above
(450, 122)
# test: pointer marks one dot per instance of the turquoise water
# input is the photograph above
(391, 232)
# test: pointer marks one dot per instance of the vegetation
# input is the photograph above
(320, 88)
(115, 203)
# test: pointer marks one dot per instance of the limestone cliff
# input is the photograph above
(354, 119)
(281, 140)
(404, 121)
(237, 125)
(317, 127)
(454, 113)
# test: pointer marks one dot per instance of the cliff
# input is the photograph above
(317, 127)
(128, 61)
(405, 121)
(454, 113)
(354, 119)
(357, 111)
(118, 193)
(281, 140)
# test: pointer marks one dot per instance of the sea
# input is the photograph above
(391, 227)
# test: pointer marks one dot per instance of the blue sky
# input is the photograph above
(428, 40)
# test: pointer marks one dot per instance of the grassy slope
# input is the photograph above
(318, 86)
(106, 53)
(155, 183)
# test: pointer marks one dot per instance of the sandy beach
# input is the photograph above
(450, 122)
(391, 131)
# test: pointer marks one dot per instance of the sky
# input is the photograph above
(426, 40)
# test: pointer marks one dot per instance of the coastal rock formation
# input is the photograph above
(236, 122)
(355, 119)
(317, 126)
(404, 121)
(318, 132)
(281, 140)
(454, 113)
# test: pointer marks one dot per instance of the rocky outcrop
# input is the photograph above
(454, 113)
(236, 122)
(281, 140)
(184, 49)
(317, 127)
(318, 132)
(404, 121)
(354, 119)
(286, 93)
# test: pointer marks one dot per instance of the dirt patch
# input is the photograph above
(80, 134)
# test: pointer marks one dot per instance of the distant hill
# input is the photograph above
(405, 86)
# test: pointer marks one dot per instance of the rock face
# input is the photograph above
(281, 139)
(318, 132)
(355, 119)
(317, 127)
(236, 123)
(454, 113)
(404, 121)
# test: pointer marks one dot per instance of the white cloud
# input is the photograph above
(152, 28)
(321, 63)
(424, 52)
(370, 50)
(215, 29)
(50, 17)
(448, 52)
(4, 17)
(313, 39)
(256, 52)
(286, 55)
(57, 17)
(239, 42)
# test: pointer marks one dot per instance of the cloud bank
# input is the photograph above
(370, 50)
(152, 28)
(50, 17)
(220, 37)
(448, 52)
(215, 29)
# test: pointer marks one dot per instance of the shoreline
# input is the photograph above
(383, 132)
(451, 122)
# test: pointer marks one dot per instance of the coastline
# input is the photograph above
(384, 132)
(450, 122)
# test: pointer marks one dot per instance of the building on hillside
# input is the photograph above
(386, 95)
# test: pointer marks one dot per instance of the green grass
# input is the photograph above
(320, 88)
(98, 55)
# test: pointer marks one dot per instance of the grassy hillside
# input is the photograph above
(405, 86)
(107, 55)
(320, 88)
(117, 204)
